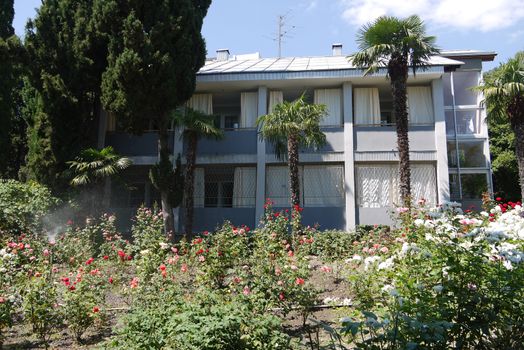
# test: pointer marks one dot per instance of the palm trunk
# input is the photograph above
(167, 208)
(294, 187)
(189, 183)
(516, 116)
(399, 73)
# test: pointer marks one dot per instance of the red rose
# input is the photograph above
(96, 309)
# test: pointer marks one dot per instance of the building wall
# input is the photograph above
(347, 145)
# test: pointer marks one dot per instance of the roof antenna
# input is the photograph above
(282, 32)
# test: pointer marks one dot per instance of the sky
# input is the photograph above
(311, 26)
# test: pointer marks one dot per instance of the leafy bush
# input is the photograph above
(206, 322)
(23, 205)
(454, 282)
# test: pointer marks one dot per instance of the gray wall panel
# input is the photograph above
(242, 141)
(421, 138)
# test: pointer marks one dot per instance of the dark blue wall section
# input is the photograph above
(241, 141)
(207, 219)
(136, 145)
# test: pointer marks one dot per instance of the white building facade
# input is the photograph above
(353, 179)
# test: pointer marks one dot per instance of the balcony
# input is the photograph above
(145, 145)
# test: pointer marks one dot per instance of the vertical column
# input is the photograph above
(483, 125)
(102, 129)
(177, 149)
(440, 141)
(261, 159)
(349, 157)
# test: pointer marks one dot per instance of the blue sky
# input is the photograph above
(313, 25)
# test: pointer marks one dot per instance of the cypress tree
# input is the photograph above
(67, 59)
(12, 128)
(155, 52)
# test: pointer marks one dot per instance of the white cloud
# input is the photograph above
(311, 5)
(482, 15)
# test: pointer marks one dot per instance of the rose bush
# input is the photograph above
(456, 281)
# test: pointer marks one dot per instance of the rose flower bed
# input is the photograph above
(440, 279)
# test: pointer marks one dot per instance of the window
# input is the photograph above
(231, 122)
(377, 184)
(320, 185)
(470, 154)
(463, 82)
(473, 186)
(225, 187)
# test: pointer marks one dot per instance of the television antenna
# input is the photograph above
(282, 32)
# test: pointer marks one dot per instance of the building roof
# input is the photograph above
(468, 54)
(239, 64)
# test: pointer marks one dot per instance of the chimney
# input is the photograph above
(222, 54)
(337, 49)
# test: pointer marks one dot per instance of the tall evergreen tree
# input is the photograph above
(11, 126)
(155, 52)
(67, 59)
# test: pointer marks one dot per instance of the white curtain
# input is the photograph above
(367, 106)
(275, 97)
(277, 185)
(248, 109)
(202, 103)
(323, 186)
(424, 183)
(377, 186)
(244, 187)
(199, 190)
(332, 99)
(420, 105)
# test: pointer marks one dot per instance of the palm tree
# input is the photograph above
(503, 91)
(95, 167)
(396, 44)
(293, 124)
(196, 124)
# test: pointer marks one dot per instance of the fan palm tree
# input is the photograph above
(94, 167)
(396, 44)
(503, 91)
(290, 126)
(196, 125)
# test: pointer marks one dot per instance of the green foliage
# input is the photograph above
(502, 151)
(454, 283)
(502, 86)
(12, 128)
(67, 58)
(149, 242)
(93, 165)
(299, 119)
(23, 205)
(40, 305)
(388, 38)
(158, 48)
(205, 322)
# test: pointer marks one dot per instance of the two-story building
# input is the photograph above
(353, 179)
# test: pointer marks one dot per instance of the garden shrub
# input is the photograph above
(456, 281)
(23, 205)
(205, 322)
